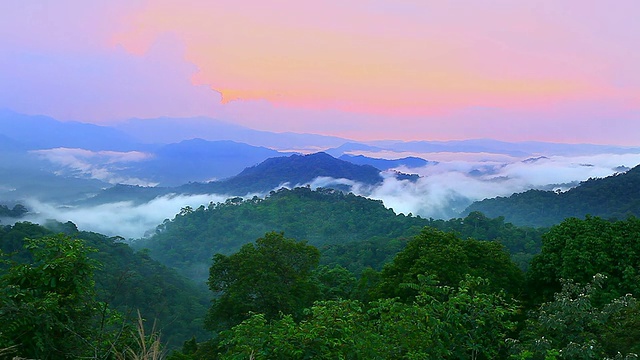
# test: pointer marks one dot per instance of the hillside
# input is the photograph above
(385, 164)
(290, 170)
(270, 174)
(353, 231)
(199, 160)
(188, 241)
(616, 196)
(128, 281)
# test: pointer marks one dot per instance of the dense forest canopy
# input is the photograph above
(125, 280)
(613, 197)
(353, 231)
(322, 274)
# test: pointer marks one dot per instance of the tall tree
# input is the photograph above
(449, 259)
(272, 276)
(579, 249)
(46, 306)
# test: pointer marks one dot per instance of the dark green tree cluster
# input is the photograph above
(17, 211)
(449, 259)
(274, 301)
(47, 306)
(124, 280)
(322, 216)
(613, 197)
(351, 231)
(442, 322)
(579, 249)
(272, 276)
(440, 297)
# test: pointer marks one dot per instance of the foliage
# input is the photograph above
(321, 217)
(460, 323)
(333, 330)
(450, 260)
(125, 280)
(522, 242)
(578, 249)
(46, 306)
(272, 276)
(573, 327)
(335, 282)
(613, 197)
(351, 231)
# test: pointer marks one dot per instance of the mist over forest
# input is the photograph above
(223, 242)
(227, 180)
(443, 190)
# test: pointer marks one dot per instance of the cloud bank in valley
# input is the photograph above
(443, 191)
(100, 165)
(124, 218)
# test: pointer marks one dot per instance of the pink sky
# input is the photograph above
(364, 69)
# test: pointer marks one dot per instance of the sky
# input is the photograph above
(546, 70)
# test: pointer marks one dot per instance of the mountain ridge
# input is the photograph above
(616, 196)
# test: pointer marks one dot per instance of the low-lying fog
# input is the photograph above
(443, 190)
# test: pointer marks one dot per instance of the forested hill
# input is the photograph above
(352, 231)
(293, 170)
(321, 217)
(125, 280)
(616, 196)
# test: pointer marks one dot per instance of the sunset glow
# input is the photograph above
(526, 70)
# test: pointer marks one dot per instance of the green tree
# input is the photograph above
(572, 326)
(579, 249)
(335, 282)
(272, 276)
(331, 330)
(46, 306)
(449, 259)
(461, 322)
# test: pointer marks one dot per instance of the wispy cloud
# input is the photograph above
(120, 218)
(100, 165)
(448, 187)
(443, 191)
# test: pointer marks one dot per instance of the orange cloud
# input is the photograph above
(358, 59)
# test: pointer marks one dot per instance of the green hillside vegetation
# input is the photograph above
(351, 231)
(442, 296)
(17, 211)
(613, 197)
(124, 280)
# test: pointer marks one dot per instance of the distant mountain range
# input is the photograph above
(616, 196)
(67, 162)
(271, 174)
(200, 160)
(385, 164)
(28, 132)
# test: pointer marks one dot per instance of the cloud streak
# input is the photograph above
(446, 188)
(124, 219)
(443, 191)
(100, 165)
